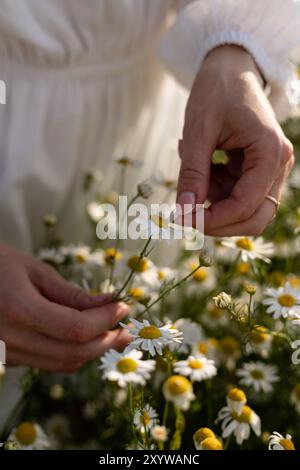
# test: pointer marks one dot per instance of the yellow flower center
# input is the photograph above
(178, 385)
(287, 300)
(258, 335)
(229, 345)
(287, 444)
(277, 278)
(203, 348)
(81, 257)
(158, 220)
(126, 365)
(294, 281)
(136, 292)
(202, 434)
(211, 443)
(245, 244)
(244, 416)
(150, 332)
(296, 391)
(243, 268)
(169, 184)
(161, 275)
(257, 374)
(215, 312)
(195, 364)
(111, 255)
(236, 394)
(145, 418)
(26, 434)
(139, 266)
(200, 275)
(124, 161)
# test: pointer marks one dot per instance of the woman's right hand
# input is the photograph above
(48, 323)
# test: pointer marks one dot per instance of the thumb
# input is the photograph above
(194, 175)
(56, 289)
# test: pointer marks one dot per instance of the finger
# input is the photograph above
(248, 193)
(32, 343)
(18, 358)
(55, 288)
(62, 322)
(194, 172)
(256, 224)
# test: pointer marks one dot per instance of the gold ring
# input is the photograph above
(277, 204)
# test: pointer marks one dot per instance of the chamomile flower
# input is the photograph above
(126, 367)
(239, 424)
(200, 435)
(192, 334)
(207, 347)
(29, 436)
(214, 316)
(151, 337)
(279, 442)
(201, 279)
(159, 433)
(197, 368)
(229, 351)
(250, 248)
(127, 162)
(295, 397)
(95, 211)
(158, 226)
(145, 419)
(52, 256)
(211, 443)
(283, 302)
(179, 391)
(260, 341)
(165, 182)
(144, 269)
(258, 376)
(166, 275)
(236, 399)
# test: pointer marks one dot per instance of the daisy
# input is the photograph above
(202, 434)
(179, 391)
(279, 442)
(197, 368)
(159, 433)
(145, 419)
(236, 399)
(282, 302)
(144, 269)
(126, 162)
(223, 300)
(295, 397)
(207, 347)
(258, 375)
(166, 275)
(29, 436)
(211, 443)
(150, 337)
(126, 367)
(260, 341)
(192, 334)
(202, 278)
(165, 182)
(229, 351)
(250, 248)
(95, 211)
(52, 256)
(239, 424)
(158, 225)
(214, 316)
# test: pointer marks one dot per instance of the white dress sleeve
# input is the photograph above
(268, 29)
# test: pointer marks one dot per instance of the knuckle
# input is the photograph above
(288, 153)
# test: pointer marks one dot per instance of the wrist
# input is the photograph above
(231, 62)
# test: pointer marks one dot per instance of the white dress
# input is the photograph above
(86, 81)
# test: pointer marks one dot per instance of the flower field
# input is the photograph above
(214, 357)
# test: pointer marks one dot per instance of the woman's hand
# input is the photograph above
(46, 322)
(228, 110)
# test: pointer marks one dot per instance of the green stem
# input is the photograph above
(132, 272)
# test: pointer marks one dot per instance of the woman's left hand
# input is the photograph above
(228, 110)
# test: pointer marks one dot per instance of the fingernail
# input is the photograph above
(187, 202)
(187, 198)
